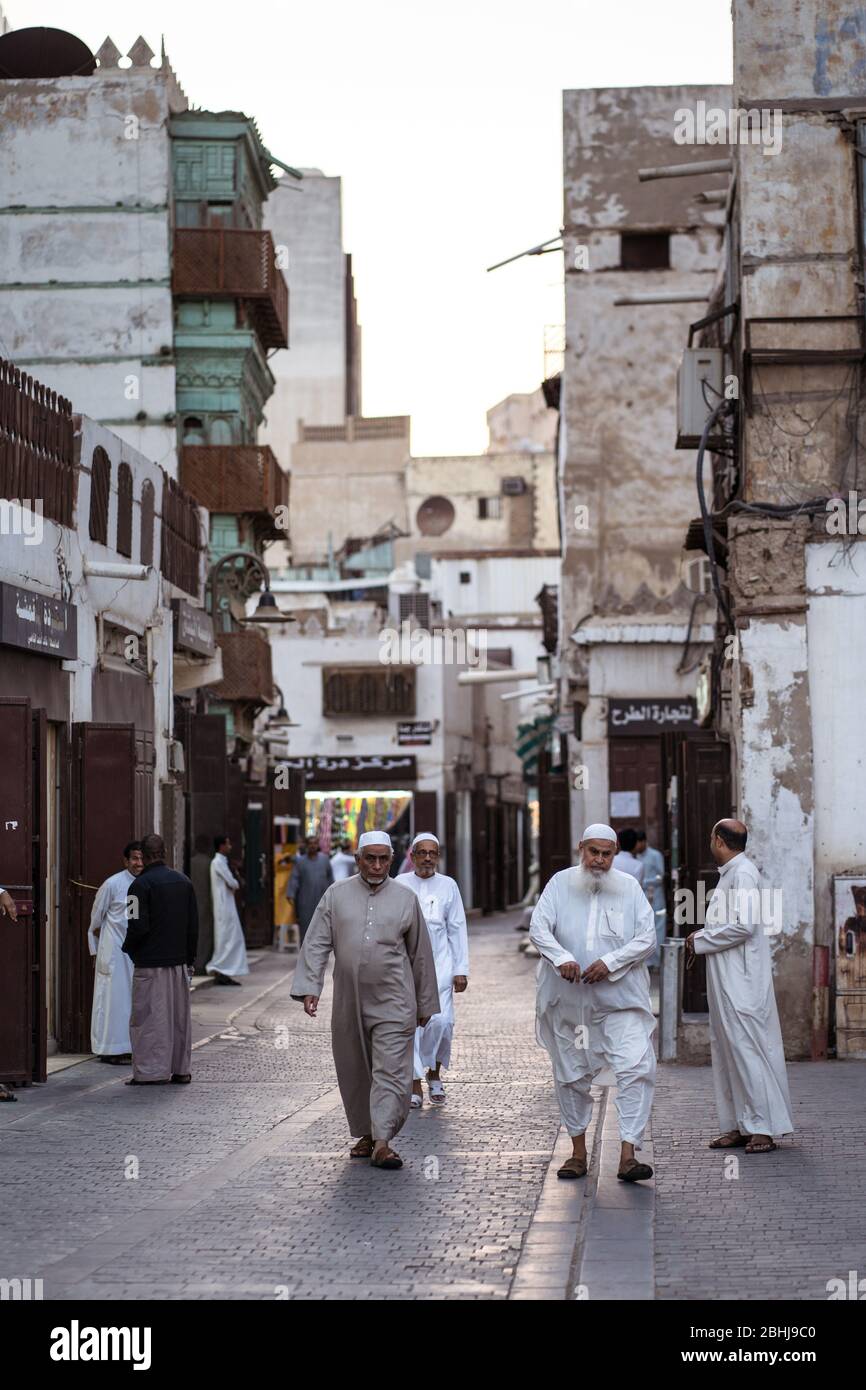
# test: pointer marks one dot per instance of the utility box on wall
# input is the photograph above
(699, 391)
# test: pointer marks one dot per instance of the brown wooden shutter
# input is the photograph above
(100, 487)
(124, 510)
(147, 507)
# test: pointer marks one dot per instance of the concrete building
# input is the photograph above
(523, 422)
(786, 679)
(86, 242)
(102, 568)
(348, 482)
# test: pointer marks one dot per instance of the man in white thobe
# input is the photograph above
(749, 1075)
(595, 931)
(626, 861)
(112, 985)
(343, 862)
(443, 911)
(229, 957)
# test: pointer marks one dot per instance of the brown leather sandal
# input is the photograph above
(732, 1140)
(632, 1171)
(387, 1159)
(765, 1147)
(363, 1148)
(573, 1167)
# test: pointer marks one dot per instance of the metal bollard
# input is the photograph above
(670, 996)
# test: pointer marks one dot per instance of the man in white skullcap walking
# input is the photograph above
(595, 931)
(443, 911)
(384, 988)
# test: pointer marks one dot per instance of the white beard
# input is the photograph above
(591, 880)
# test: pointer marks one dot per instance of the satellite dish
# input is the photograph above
(44, 53)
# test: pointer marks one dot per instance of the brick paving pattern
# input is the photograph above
(244, 1189)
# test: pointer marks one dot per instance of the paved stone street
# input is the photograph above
(240, 1186)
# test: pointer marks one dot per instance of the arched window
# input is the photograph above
(146, 547)
(100, 484)
(193, 430)
(124, 510)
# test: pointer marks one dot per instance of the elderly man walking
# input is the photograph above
(595, 930)
(443, 911)
(749, 1075)
(161, 939)
(384, 987)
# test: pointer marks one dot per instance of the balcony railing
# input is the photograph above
(36, 451)
(240, 479)
(234, 263)
(247, 668)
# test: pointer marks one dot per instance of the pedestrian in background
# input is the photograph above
(625, 860)
(311, 875)
(161, 939)
(112, 985)
(654, 886)
(343, 862)
(229, 957)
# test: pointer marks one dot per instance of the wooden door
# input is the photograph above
(554, 813)
(18, 940)
(101, 823)
(704, 780)
(635, 767)
(258, 866)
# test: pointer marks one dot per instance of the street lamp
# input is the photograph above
(241, 580)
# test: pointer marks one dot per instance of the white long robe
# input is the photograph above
(589, 1028)
(229, 950)
(749, 1075)
(112, 985)
(445, 916)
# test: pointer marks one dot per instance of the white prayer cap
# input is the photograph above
(425, 835)
(374, 837)
(597, 831)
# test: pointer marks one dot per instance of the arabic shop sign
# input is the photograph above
(342, 768)
(38, 623)
(414, 731)
(193, 628)
(626, 717)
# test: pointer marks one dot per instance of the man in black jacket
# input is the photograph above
(161, 939)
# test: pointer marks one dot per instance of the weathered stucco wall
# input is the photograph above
(85, 245)
(527, 521)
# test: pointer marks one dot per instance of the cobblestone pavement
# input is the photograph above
(240, 1187)
(244, 1187)
(783, 1223)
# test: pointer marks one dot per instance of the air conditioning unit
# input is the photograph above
(699, 390)
(513, 487)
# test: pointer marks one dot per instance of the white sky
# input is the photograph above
(444, 120)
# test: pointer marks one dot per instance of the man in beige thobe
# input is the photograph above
(384, 987)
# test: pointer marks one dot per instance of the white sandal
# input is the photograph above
(416, 1101)
(436, 1091)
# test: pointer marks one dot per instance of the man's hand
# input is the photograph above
(595, 972)
(460, 983)
(423, 1020)
(7, 906)
(311, 1003)
(690, 943)
(570, 971)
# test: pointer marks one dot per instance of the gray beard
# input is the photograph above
(592, 880)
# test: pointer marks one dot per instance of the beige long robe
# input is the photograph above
(384, 983)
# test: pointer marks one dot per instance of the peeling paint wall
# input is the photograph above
(798, 598)
(85, 245)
